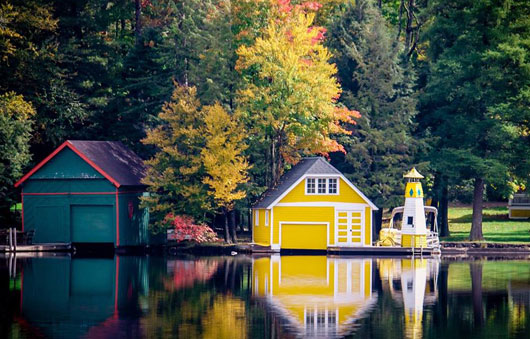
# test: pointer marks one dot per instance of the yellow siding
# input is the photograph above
(413, 240)
(261, 232)
(346, 194)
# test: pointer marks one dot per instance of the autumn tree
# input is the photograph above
(225, 165)
(290, 93)
(175, 173)
(15, 132)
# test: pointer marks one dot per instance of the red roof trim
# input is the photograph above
(76, 151)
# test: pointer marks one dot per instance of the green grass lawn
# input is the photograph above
(496, 226)
(18, 206)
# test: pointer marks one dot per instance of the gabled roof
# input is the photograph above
(112, 159)
(306, 166)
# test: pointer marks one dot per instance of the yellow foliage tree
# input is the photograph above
(223, 160)
(175, 172)
(290, 92)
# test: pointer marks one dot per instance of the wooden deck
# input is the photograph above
(52, 247)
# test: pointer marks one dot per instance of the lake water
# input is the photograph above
(262, 297)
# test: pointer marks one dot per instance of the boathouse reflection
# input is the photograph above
(82, 297)
(316, 295)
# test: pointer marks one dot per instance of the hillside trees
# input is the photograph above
(374, 80)
(289, 95)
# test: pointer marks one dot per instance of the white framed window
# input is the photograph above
(332, 186)
(322, 185)
(266, 218)
(310, 186)
(256, 218)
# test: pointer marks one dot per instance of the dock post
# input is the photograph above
(15, 239)
(10, 239)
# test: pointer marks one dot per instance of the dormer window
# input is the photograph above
(321, 186)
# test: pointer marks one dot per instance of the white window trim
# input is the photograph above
(266, 218)
(256, 218)
(327, 185)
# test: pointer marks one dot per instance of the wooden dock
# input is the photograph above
(52, 247)
(13, 245)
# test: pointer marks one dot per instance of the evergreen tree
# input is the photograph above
(466, 88)
(381, 147)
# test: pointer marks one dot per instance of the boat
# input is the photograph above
(391, 235)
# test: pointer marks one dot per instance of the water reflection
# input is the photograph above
(413, 282)
(317, 295)
(262, 297)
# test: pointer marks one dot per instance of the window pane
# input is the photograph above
(322, 186)
(310, 185)
(332, 186)
(256, 218)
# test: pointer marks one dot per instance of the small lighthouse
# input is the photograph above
(413, 226)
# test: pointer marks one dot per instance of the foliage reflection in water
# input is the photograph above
(262, 297)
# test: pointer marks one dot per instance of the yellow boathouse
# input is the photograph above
(312, 208)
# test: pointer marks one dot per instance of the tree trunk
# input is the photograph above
(273, 163)
(138, 20)
(227, 234)
(444, 211)
(232, 224)
(476, 224)
(476, 290)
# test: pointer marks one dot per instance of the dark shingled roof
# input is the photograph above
(313, 165)
(115, 159)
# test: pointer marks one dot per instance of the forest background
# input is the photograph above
(223, 96)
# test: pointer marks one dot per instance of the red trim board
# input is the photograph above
(81, 193)
(76, 151)
(117, 219)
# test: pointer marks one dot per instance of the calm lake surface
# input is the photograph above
(262, 297)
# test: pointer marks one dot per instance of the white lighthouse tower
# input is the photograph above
(413, 226)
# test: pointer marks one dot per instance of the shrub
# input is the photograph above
(185, 229)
